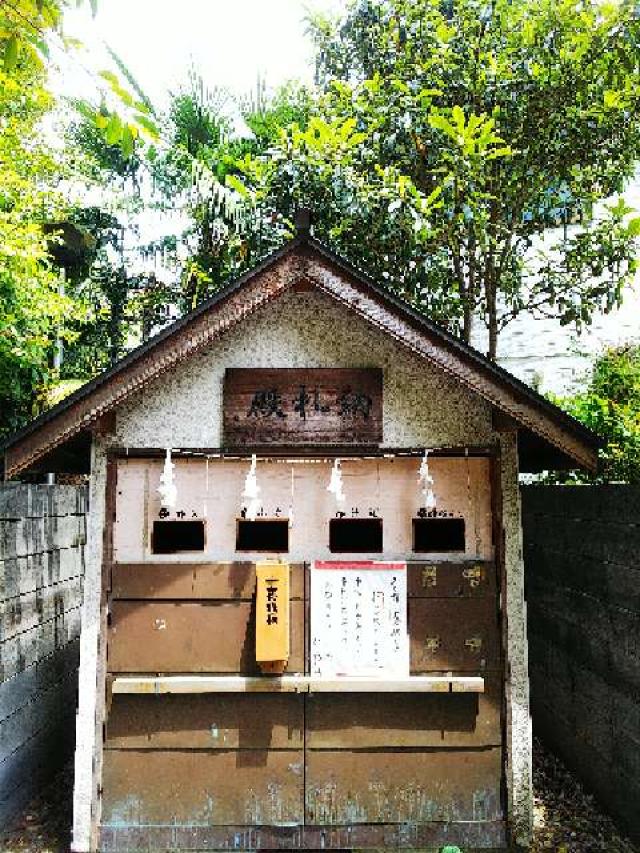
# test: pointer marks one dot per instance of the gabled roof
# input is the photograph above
(548, 436)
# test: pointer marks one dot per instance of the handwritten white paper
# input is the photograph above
(359, 619)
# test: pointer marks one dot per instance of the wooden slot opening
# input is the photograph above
(355, 535)
(263, 534)
(438, 534)
(172, 537)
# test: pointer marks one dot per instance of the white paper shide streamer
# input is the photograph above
(167, 488)
(335, 483)
(426, 483)
(290, 513)
(251, 491)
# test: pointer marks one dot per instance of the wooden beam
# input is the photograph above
(302, 453)
(295, 684)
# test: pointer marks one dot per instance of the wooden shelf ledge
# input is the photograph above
(295, 684)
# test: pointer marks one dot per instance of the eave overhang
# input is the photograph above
(548, 437)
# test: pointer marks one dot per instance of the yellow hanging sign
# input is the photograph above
(272, 616)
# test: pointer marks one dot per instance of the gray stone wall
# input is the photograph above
(582, 571)
(42, 536)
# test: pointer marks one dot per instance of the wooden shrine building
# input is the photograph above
(305, 626)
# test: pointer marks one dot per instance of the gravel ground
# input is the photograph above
(44, 826)
(567, 820)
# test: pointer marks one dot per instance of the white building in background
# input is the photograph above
(556, 358)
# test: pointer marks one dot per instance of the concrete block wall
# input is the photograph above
(42, 540)
(582, 575)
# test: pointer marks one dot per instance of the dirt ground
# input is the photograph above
(567, 820)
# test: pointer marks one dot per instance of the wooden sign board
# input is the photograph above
(272, 614)
(291, 406)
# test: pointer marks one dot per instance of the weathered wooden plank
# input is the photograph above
(195, 788)
(192, 684)
(201, 684)
(233, 580)
(444, 579)
(265, 721)
(191, 637)
(457, 635)
(411, 684)
(485, 837)
(206, 487)
(351, 787)
(348, 721)
(311, 406)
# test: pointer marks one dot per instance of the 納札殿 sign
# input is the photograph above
(302, 406)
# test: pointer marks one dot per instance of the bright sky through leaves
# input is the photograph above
(230, 42)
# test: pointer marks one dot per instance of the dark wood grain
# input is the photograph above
(311, 406)
(235, 580)
(212, 721)
(167, 636)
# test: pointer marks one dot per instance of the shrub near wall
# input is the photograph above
(42, 537)
(582, 565)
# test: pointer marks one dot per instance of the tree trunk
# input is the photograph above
(470, 300)
(467, 322)
(492, 316)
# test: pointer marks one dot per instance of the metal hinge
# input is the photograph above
(474, 644)
(429, 576)
(474, 575)
(432, 644)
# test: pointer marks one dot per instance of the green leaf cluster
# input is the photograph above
(610, 406)
(32, 310)
(525, 113)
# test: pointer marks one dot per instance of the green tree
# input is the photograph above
(610, 406)
(196, 170)
(43, 311)
(526, 114)
(32, 310)
(121, 307)
(267, 114)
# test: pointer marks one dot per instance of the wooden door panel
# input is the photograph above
(171, 580)
(469, 579)
(368, 720)
(458, 635)
(210, 721)
(150, 636)
(192, 787)
(387, 786)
